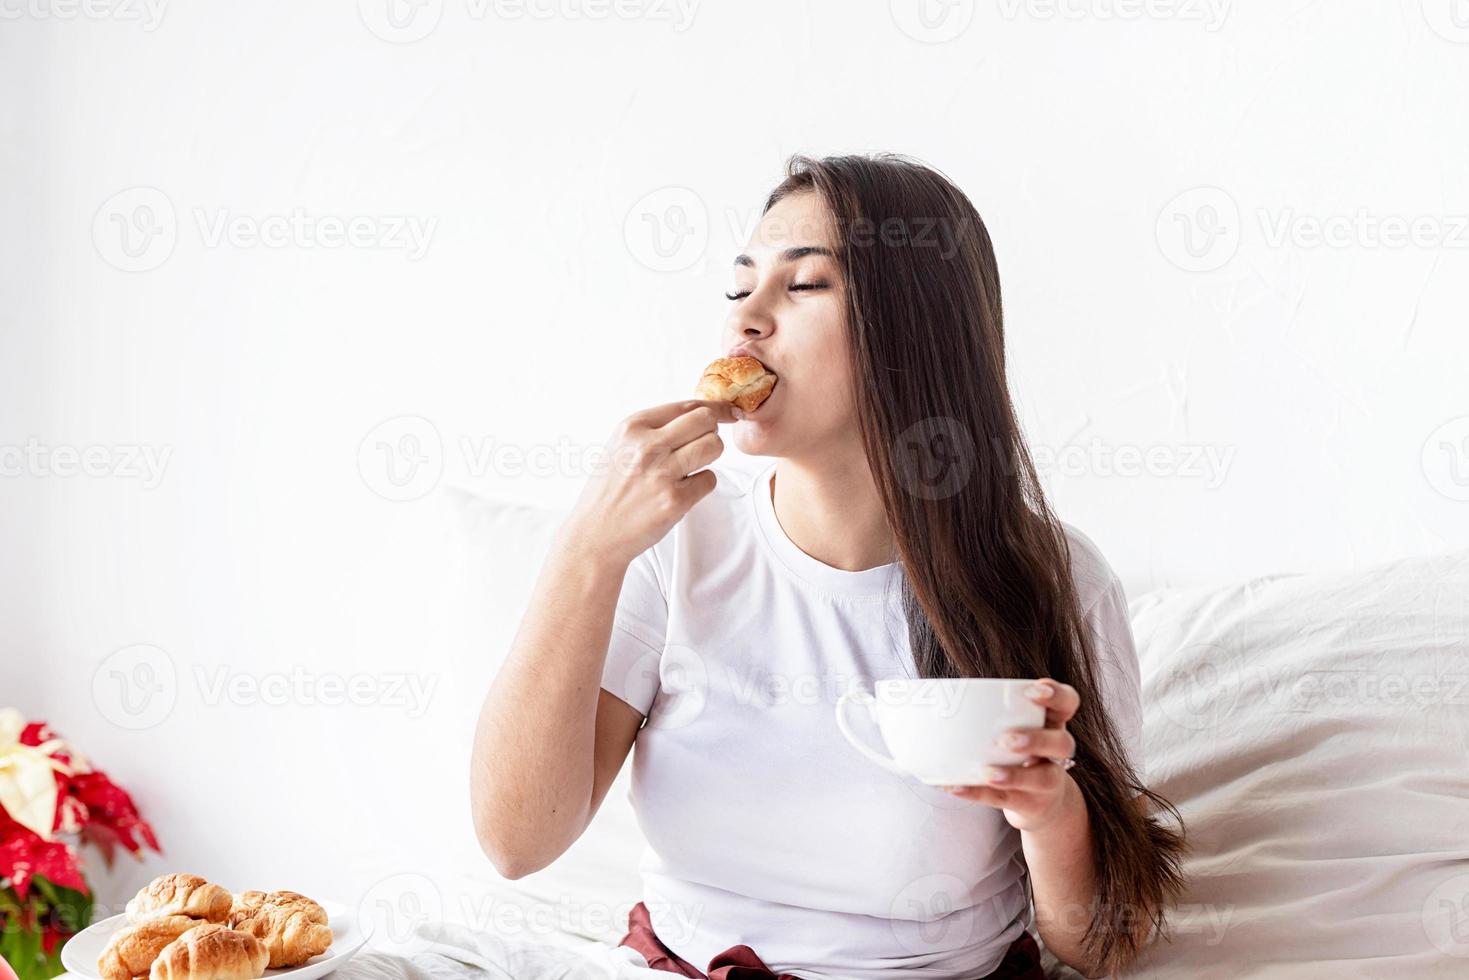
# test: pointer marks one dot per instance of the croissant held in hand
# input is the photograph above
(131, 951)
(742, 381)
(211, 952)
(288, 932)
(180, 894)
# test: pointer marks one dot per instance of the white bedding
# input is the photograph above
(440, 951)
(1314, 732)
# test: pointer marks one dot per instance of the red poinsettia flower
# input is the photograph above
(88, 805)
(24, 854)
(111, 816)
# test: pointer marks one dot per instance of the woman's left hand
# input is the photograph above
(1035, 792)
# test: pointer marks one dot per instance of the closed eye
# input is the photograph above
(793, 287)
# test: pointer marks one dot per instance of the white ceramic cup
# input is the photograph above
(942, 730)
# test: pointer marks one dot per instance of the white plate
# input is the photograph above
(80, 953)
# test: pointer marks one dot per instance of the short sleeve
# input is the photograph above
(639, 630)
(1118, 672)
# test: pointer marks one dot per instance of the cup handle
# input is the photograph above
(870, 702)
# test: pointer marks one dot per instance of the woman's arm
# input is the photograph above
(1045, 804)
(1063, 879)
(550, 741)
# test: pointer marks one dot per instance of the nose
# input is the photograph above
(750, 319)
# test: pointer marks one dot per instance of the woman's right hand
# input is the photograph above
(642, 487)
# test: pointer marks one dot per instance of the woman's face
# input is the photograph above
(789, 311)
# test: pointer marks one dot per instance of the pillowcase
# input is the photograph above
(1313, 731)
(587, 891)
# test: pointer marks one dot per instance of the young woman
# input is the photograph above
(900, 531)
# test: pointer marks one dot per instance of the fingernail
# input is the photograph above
(1017, 741)
(1042, 690)
(737, 413)
(999, 775)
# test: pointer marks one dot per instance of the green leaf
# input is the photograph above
(22, 950)
(72, 909)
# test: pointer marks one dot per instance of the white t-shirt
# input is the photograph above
(764, 826)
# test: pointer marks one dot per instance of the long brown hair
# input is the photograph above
(988, 590)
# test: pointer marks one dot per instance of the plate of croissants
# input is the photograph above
(182, 927)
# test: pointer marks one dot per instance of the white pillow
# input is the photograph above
(588, 890)
(1314, 730)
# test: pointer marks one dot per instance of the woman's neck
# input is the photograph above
(833, 513)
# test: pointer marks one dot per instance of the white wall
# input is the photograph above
(1321, 377)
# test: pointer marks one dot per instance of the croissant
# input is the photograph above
(180, 894)
(211, 952)
(131, 951)
(246, 903)
(290, 932)
(741, 380)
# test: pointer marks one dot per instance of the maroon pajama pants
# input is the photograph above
(1022, 960)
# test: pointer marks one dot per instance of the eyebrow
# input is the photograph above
(789, 255)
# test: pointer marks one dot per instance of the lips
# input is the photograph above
(747, 352)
